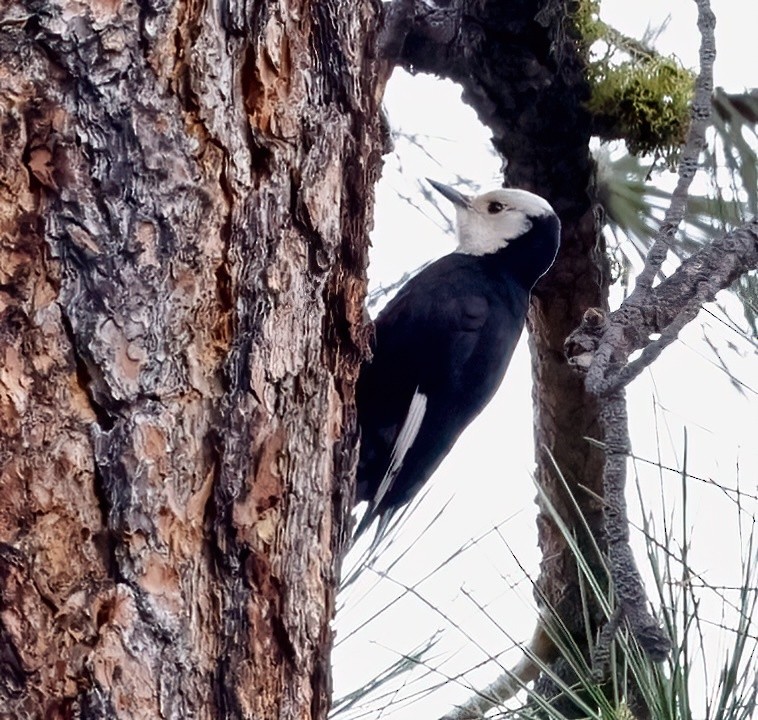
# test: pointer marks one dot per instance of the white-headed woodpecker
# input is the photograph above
(443, 343)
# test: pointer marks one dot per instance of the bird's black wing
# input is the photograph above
(435, 343)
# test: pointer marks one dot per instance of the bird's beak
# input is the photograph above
(453, 196)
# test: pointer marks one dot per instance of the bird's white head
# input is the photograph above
(487, 223)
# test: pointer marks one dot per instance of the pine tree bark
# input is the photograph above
(185, 194)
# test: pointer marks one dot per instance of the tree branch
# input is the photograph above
(669, 307)
(700, 113)
(413, 22)
(614, 343)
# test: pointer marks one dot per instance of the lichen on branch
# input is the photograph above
(637, 94)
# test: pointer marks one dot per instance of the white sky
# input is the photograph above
(489, 470)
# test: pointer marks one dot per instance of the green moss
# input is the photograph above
(588, 23)
(642, 99)
(644, 102)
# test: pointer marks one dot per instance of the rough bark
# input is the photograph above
(185, 193)
(521, 71)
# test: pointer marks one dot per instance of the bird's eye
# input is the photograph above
(494, 208)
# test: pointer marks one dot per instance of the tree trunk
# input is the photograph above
(185, 194)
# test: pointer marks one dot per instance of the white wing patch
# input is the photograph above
(405, 439)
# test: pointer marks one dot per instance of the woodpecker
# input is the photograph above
(442, 344)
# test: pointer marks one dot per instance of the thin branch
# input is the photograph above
(700, 113)
(652, 351)
(669, 307)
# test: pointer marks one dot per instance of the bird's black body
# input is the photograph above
(448, 335)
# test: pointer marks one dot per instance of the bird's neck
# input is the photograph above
(528, 257)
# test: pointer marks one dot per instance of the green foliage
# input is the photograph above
(735, 120)
(645, 101)
(665, 691)
(636, 94)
